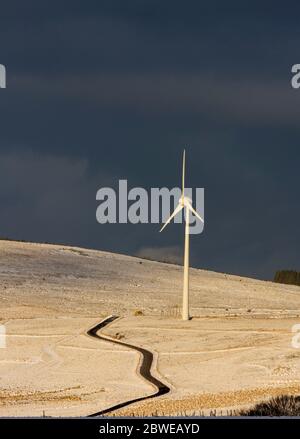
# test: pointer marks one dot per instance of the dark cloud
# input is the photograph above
(245, 100)
(101, 91)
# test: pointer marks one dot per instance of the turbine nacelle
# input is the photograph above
(184, 201)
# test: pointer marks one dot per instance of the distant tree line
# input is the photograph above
(290, 277)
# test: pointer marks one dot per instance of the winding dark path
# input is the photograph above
(144, 370)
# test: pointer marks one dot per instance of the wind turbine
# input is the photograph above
(184, 203)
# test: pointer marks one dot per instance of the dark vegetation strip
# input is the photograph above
(285, 405)
(289, 277)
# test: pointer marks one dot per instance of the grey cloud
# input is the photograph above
(243, 100)
(170, 254)
(46, 197)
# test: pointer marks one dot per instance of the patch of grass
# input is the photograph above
(285, 405)
(138, 312)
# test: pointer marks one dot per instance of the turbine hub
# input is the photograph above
(184, 200)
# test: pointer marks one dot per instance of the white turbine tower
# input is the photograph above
(184, 203)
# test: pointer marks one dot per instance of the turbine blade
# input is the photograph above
(189, 206)
(183, 172)
(178, 209)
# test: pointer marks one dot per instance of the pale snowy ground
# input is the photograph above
(215, 363)
(50, 295)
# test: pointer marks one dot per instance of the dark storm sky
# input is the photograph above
(103, 90)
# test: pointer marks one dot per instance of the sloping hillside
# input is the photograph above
(60, 279)
(51, 295)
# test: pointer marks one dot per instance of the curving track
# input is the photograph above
(144, 369)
